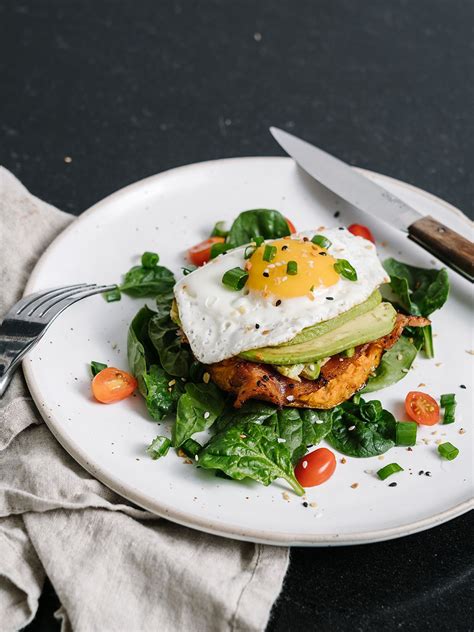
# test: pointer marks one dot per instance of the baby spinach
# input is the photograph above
(393, 367)
(175, 357)
(261, 222)
(419, 291)
(140, 281)
(153, 381)
(252, 411)
(97, 367)
(250, 450)
(198, 408)
(362, 430)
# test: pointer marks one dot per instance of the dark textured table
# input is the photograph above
(96, 95)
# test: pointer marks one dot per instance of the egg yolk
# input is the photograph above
(296, 268)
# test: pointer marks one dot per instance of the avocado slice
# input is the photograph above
(364, 328)
(328, 325)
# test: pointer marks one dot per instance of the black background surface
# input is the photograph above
(130, 88)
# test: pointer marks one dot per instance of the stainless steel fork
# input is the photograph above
(26, 322)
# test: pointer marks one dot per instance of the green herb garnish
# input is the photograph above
(219, 230)
(112, 295)
(235, 279)
(388, 470)
(405, 433)
(448, 402)
(322, 241)
(150, 259)
(269, 253)
(292, 268)
(159, 447)
(448, 451)
(345, 269)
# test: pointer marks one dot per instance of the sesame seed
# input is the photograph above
(207, 414)
(304, 465)
(284, 247)
(341, 227)
(323, 254)
(427, 473)
(67, 159)
(462, 386)
(336, 214)
(285, 278)
(257, 326)
(329, 298)
(281, 440)
(171, 382)
(392, 484)
(305, 504)
(196, 457)
(206, 377)
(399, 357)
(290, 398)
(278, 303)
(266, 274)
(355, 485)
(351, 428)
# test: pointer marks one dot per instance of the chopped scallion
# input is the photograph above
(235, 279)
(405, 433)
(159, 447)
(249, 250)
(150, 259)
(258, 241)
(218, 249)
(97, 367)
(112, 295)
(188, 270)
(219, 230)
(269, 253)
(292, 267)
(448, 451)
(191, 448)
(388, 470)
(448, 402)
(345, 269)
(322, 241)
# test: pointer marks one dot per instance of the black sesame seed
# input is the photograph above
(329, 298)
(420, 473)
(323, 254)
(258, 382)
(284, 247)
(336, 214)
(266, 274)
(392, 484)
(427, 473)
(305, 504)
(257, 326)
(341, 227)
(462, 386)
(310, 445)
(291, 385)
(278, 303)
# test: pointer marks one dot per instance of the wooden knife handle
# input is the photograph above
(444, 243)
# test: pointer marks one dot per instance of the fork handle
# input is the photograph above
(12, 350)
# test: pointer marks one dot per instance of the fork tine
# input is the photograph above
(36, 310)
(25, 302)
(54, 308)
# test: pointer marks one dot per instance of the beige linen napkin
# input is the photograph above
(114, 566)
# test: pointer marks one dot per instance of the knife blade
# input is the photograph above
(340, 178)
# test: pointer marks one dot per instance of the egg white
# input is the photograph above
(219, 323)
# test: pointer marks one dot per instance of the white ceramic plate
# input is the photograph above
(168, 213)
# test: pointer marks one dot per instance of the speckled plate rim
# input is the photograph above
(216, 527)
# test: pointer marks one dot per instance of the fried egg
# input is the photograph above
(278, 300)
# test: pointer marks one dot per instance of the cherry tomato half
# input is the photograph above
(316, 467)
(201, 253)
(422, 408)
(361, 231)
(291, 226)
(112, 385)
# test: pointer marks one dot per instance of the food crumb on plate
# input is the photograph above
(286, 496)
(461, 431)
(355, 485)
(343, 460)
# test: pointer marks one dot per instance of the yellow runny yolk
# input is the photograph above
(315, 269)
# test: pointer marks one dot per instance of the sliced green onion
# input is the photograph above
(448, 451)
(428, 341)
(218, 249)
(322, 241)
(150, 259)
(269, 253)
(258, 241)
(159, 447)
(112, 295)
(405, 432)
(235, 279)
(348, 353)
(188, 270)
(292, 267)
(191, 448)
(388, 470)
(345, 269)
(97, 367)
(249, 250)
(448, 402)
(219, 230)
(356, 399)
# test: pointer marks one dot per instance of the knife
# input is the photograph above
(453, 249)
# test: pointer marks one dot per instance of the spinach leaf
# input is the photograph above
(287, 424)
(353, 435)
(420, 290)
(253, 410)
(97, 367)
(250, 450)
(161, 399)
(175, 357)
(141, 282)
(198, 408)
(316, 425)
(393, 367)
(153, 381)
(257, 223)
